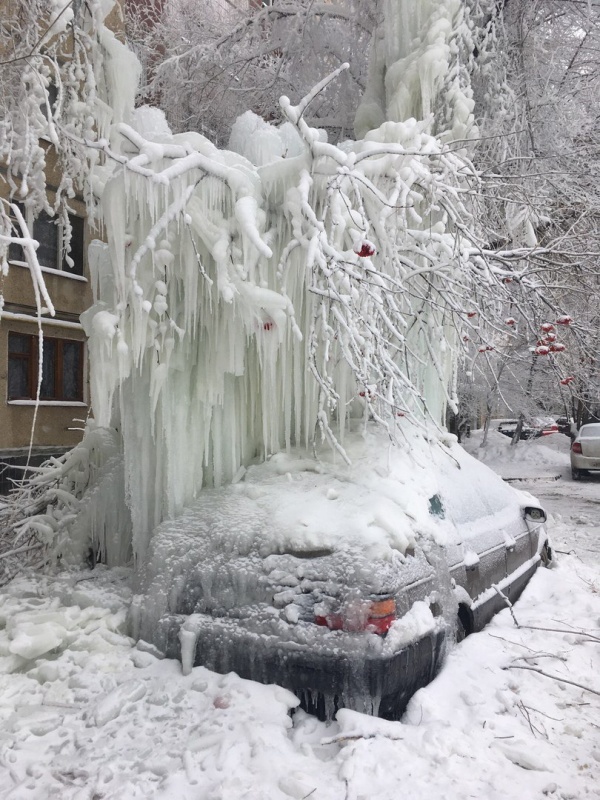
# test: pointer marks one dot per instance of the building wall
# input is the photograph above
(71, 295)
(57, 426)
(56, 423)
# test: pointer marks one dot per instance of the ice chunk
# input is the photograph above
(32, 640)
(415, 624)
(112, 704)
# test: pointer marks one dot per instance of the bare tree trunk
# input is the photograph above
(517, 434)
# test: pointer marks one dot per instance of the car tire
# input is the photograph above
(464, 625)
(576, 474)
(546, 555)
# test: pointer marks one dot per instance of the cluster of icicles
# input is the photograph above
(242, 308)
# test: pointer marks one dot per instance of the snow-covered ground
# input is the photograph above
(85, 713)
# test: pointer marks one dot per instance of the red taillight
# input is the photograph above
(550, 429)
(576, 447)
(332, 621)
(379, 616)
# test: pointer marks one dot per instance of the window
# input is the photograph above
(49, 232)
(62, 368)
(51, 100)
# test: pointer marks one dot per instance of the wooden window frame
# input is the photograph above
(31, 357)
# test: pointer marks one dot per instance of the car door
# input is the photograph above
(520, 544)
(484, 559)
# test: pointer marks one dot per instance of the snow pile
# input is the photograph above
(415, 624)
(97, 714)
(546, 456)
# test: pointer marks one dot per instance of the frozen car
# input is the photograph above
(507, 427)
(345, 584)
(564, 425)
(585, 450)
(532, 430)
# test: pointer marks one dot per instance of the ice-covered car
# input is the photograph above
(345, 584)
(507, 427)
(530, 430)
(545, 425)
(585, 450)
(564, 425)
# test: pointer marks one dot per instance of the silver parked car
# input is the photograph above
(585, 451)
(344, 584)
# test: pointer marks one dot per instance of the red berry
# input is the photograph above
(364, 248)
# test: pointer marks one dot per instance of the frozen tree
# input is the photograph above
(251, 300)
(207, 62)
(260, 297)
(59, 97)
(57, 101)
(537, 157)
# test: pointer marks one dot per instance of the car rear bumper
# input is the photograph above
(585, 462)
(341, 670)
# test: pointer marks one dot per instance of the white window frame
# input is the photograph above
(57, 269)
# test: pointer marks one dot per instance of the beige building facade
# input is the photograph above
(49, 413)
(54, 421)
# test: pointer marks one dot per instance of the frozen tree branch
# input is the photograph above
(558, 678)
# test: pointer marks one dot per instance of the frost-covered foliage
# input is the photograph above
(536, 74)
(248, 301)
(63, 506)
(206, 63)
(47, 85)
(58, 99)
(243, 307)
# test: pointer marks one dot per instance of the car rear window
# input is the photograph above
(592, 431)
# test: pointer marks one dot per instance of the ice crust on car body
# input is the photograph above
(238, 581)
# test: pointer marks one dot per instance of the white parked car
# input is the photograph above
(585, 451)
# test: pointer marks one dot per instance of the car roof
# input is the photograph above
(380, 503)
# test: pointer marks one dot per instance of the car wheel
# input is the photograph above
(464, 625)
(576, 473)
(546, 555)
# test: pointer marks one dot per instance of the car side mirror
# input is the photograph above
(535, 514)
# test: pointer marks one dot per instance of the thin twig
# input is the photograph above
(541, 655)
(590, 636)
(510, 641)
(357, 737)
(525, 711)
(508, 603)
(553, 677)
(23, 549)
